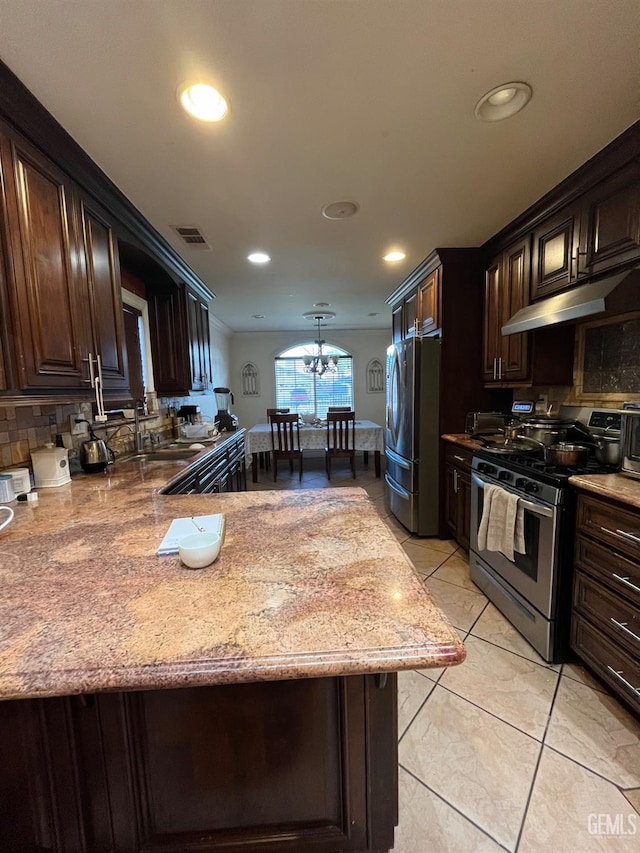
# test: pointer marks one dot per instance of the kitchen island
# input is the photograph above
(240, 707)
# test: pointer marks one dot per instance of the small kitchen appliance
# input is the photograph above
(485, 422)
(94, 453)
(630, 440)
(191, 414)
(224, 401)
(50, 466)
(20, 480)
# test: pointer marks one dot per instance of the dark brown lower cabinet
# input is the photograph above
(458, 493)
(304, 765)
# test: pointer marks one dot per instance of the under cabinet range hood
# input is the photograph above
(612, 295)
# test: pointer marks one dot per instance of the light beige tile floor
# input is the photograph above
(504, 752)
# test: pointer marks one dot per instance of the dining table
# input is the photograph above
(368, 436)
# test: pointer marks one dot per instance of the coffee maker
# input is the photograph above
(224, 401)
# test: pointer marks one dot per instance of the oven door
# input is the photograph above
(532, 573)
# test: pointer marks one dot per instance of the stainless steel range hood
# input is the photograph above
(612, 295)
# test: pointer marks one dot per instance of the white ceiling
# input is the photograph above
(369, 100)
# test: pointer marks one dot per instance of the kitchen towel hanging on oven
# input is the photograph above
(502, 523)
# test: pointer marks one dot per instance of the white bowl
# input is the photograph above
(199, 549)
(308, 419)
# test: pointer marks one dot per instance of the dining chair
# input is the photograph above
(285, 441)
(264, 458)
(341, 427)
(271, 412)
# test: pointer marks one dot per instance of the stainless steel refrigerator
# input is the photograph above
(412, 436)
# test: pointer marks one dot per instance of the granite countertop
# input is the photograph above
(308, 583)
(615, 487)
(462, 440)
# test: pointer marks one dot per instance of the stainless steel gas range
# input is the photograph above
(534, 589)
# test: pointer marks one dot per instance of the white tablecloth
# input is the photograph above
(368, 436)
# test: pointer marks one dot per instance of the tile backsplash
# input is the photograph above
(24, 428)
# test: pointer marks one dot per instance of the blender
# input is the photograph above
(224, 400)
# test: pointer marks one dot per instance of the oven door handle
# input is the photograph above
(536, 509)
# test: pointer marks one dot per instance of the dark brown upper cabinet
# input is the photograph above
(179, 341)
(419, 311)
(595, 233)
(428, 319)
(555, 248)
(397, 323)
(610, 222)
(199, 348)
(505, 358)
(45, 288)
(63, 286)
(410, 315)
(102, 270)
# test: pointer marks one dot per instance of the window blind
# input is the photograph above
(304, 392)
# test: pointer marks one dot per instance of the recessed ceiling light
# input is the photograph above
(340, 209)
(203, 102)
(258, 258)
(258, 316)
(373, 313)
(321, 304)
(503, 101)
(394, 256)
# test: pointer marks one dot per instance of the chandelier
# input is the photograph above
(320, 363)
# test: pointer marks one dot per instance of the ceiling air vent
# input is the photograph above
(192, 236)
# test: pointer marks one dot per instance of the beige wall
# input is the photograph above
(262, 348)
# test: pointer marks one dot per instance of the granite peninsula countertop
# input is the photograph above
(308, 583)
(615, 487)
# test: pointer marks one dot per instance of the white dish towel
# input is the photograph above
(502, 523)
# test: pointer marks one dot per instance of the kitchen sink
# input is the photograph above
(163, 455)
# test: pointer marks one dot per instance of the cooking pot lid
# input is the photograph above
(512, 447)
(547, 421)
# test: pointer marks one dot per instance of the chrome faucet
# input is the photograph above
(138, 435)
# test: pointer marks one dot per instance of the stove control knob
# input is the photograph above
(530, 487)
(482, 467)
(505, 475)
(520, 483)
(490, 469)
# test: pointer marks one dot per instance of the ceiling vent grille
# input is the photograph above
(192, 236)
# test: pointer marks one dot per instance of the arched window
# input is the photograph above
(303, 391)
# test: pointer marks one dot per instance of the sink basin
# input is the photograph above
(163, 455)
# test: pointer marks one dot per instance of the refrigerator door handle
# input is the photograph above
(402, 463)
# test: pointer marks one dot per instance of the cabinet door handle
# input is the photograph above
(623, 627)
(92, 376)
(459, 458)
(618, 675)
(494, 367)
(623, 533)
(626, 581)
(500, 368)
(576, 259)
(455, 481)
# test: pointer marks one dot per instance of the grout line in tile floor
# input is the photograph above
(517, 654)
(537, 767)
(485, 711)
(588, 769)
(454, 808)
